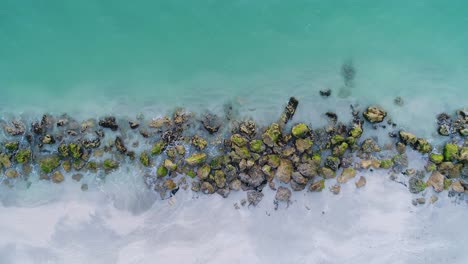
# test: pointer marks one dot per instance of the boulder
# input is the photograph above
(374, 114)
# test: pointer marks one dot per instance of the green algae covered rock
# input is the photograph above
(199, 142)
(327, 173)
(63, 150)
(158, 148)
(238, 140)
(196, 159)
(274, 160)
(204, 171)
(144, 159)
(337, 139)
(11, 145)
(450, 152)
(257, 146)
(416, 185)
(23, 155)
(339, 150)
(356, 131)
(386, 163)
(271, 135)
(303, 144)
(219, 178)
(423, 146)
(110, 164)
(161, 171)
(49, 163)
(300, 130)
(436, 158)
(75, 150)
(171, 166)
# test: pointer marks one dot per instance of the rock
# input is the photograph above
(325, 93)
(12, 173)
(87, 143)
(433, 199)
(420, 200)
(169, 184)
(23, 155)
(307, 169)
(5, 160)
(235, 185)
(347, 174)
(211, 123)
(84, 187)
(66, 165)
(180, 149)
(224, 192)
(160, 122)
(457, 187)
(416, 185)
(248, 128)
(436, 158)
(317, 186)
(16, 129)
(464, 154)
(401, 148)
(361, 182)
(57, 177)
(49, 163)
(289, 111)
(283, 194)
(77, 177)
(158, 148)
(327, 173)
(288, 151)
(335, 189)
(271, 135)
(423, 146)
(300, 130)
(119, 144)
(144, 159)
(437, 181)
(398, 101)
(110, 164)
(109, 122)
(199, 142)
(196, 159)
(370, 146)
(207, 188)
(298, 178)
(450, 152)
(407, 138)
(257, 146)
(296, 186)
(332, 162)
(284, 171)
(168, 164)
(133, 124)
(356, 131)
(374, 114)
(444, 130)
(48, 139)
(254, 197)
(196, 186)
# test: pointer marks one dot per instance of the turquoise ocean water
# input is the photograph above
(91, 58)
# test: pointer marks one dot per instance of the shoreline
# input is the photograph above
(220, 153)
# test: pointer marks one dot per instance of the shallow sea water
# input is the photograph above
(92, 58)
